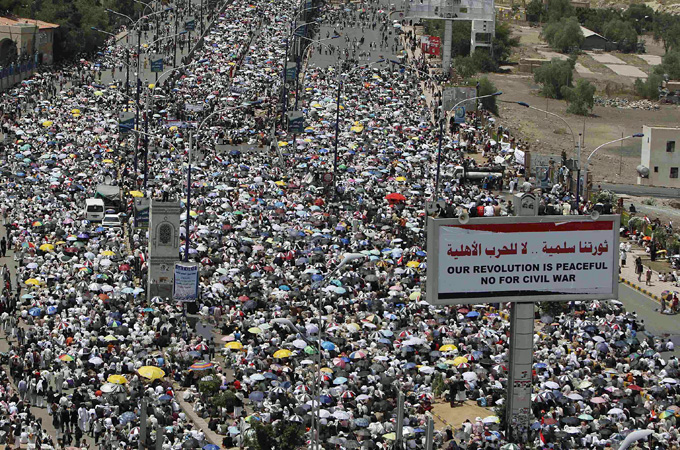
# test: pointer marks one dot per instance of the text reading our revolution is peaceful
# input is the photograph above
(527, 260)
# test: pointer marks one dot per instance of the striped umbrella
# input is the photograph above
(201, 366)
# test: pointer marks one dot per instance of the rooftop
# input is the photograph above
(18, 22)
(587, 33)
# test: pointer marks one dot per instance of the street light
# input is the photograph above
(337, 117)
(636, 135)
(442, 118)
(191, 145)
(316, 402)
(441, 136)
(577, 146)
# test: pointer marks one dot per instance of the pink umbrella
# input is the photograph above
(598, 400)
(339, 362)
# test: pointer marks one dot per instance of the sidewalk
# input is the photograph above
(628, 276)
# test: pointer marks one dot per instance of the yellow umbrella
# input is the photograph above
(110, 338)
(255, 330)
(151, 372)
(117, 379)
(283, 143)
(107, 161)
(61, 243)
(76, 115)
(449, 362)
(75, 111)
(460, 360)
(390, 436)
(33, 282)
(401, 178)
(448, 348)
(173, 128)
(193, 213)
(280, 183)
(283, 353)
(353, 326)
(47, 123)
(326, 370)
(412, 264)
(108, 253)
(235, 345)
(415, 295)
(47, 247)
(136, 194)
(98, 93)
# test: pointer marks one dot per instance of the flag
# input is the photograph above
(647, 220)
(218, 159)
(540, 434)
(400, 259)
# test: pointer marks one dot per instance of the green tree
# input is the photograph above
(555, 75)
(670, 66)
(640, 16)
(503, 43)
(535, 10)
(649, 88)
(465, 66)
(623, 33)
(580, 98)
(595, 18)
(285, 436)
(290, 435)
(558, 10)
(487, 87)
(263, 437)
(666, 28)
(564, 36)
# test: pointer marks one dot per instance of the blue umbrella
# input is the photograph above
(271, 376)
(340, 380)
(409, 365)
(326, 399)
(27, 296)
(35, 312)
(317, 277)
(540, 365)
(387, 333)
(328, 345)
(51, 310)
(472, 314)
(284, 287)
(361, 422)
(165, 398)
(256, 396)
(126, 417)
(211, 446)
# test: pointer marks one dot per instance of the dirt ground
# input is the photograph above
(549, 135)
(456, 416)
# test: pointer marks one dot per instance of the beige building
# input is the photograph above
(661, 155)
(24, 39)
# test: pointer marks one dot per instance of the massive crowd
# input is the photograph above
(272, 235)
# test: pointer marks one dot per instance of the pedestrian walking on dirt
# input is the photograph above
(648, 277)
(638, 268)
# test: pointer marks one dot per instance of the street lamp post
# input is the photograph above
(636, 135)
(191, 146)
(316, 402)
(441, 136)
(577, 147)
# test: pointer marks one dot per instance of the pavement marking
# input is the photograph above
(626, 70)
(638, 288)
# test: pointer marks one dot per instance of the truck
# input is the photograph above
(112, 197)
(478, 173)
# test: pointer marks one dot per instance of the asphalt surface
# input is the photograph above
(661, 325)
(642, 191)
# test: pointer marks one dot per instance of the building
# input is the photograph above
(593, 41)
(661, 155)
(23, 39)
(583, 4)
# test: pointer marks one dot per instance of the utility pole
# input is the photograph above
(400, 420)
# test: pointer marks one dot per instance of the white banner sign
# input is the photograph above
(522, 259)
(185, 285)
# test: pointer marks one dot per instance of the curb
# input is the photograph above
(638, 288)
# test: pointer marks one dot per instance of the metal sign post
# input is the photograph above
(518, 405)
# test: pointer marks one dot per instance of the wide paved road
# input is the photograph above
(661, 325)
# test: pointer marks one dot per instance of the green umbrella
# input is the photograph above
(310, 350)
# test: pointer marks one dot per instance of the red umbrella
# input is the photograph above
(124, 267)
(244, 298)
(268, 268)
(549, 421)
(70, 250)
(318, 202)
(395, 197)
(635, 387)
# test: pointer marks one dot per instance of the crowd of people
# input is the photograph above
(292, 263)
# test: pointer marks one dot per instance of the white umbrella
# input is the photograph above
(552, 385)
(575, 396)
(469, 376)
(614, 411)
(634, 436)
(341, 415)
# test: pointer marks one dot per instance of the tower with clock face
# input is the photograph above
(164, 229)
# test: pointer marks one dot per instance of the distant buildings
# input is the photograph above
(661, 156)
(22, 40)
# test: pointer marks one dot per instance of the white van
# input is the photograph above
(94, 209)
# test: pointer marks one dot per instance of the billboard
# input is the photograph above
(454, 95)
(156, 63)
(459, 115)
(503, 259)
(126, 121)
(185, 284)
(435, 45)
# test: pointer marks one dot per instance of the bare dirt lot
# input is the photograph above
(549, 135)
